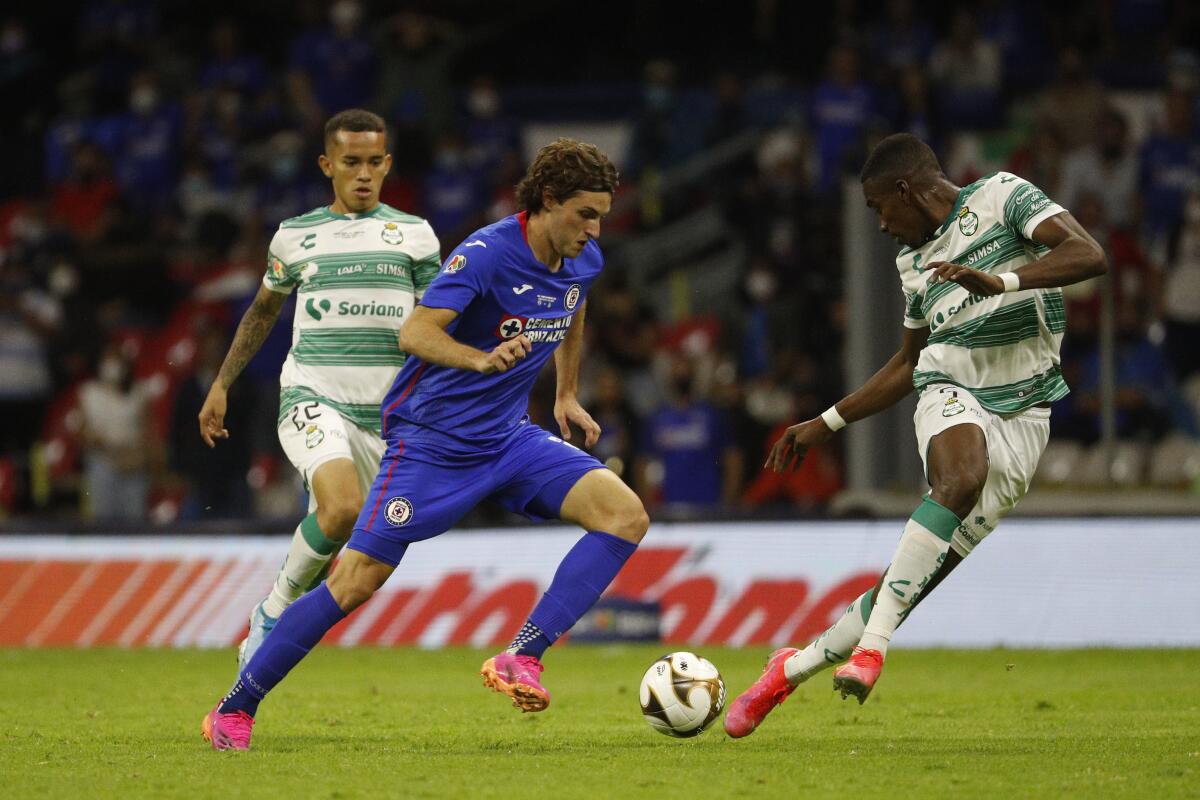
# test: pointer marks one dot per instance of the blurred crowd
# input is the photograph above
(155, 149)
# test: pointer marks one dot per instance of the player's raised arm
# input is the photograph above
(1074, 256)
(882, 390)
(566, 403)
(252, 331)
(424, 336)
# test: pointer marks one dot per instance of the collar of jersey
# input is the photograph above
(958, 204)
(364, 215)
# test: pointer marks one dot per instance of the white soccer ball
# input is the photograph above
(682, 694)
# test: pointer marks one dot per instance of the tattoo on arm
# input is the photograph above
(251, 333)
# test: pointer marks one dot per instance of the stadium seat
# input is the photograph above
(1175, 461)
(1127, 468)
(1059, 462)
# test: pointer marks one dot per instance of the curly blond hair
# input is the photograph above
(563, 168)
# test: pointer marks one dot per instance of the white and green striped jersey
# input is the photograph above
(1003, 348)
(358, 278)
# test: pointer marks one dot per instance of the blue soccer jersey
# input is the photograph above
(500, 290)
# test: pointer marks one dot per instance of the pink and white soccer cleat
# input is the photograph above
(227, 731)
(517, 677)
(858, 675)
(751, 707)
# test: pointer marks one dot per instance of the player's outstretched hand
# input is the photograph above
(789, 450)
(505, 356)
(973, 280)
(567, 411)
(212, 417)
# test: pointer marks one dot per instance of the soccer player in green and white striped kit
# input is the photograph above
(981, 268)
(359, 266)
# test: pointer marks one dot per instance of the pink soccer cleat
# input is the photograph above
(227, 731)
(751, 707)
(517, 677)
(858, 675)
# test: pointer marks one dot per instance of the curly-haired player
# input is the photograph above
(506, 299)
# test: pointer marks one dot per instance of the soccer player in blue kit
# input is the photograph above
(509, 297)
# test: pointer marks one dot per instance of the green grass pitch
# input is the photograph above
(410, 723)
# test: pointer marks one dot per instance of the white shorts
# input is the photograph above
(1015, 444)
(313, 433)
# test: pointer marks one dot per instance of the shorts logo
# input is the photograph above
(953, 405)
(510, 327)
(398, 511)
(968, 221)
(572, 297)
(391, 233)
(313, 436)
(455, 264)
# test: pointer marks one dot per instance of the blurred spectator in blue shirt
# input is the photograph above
(1170, 168)
(690, 442)
(967, 70)
(229, 66)
(335, 68)
(842, 107)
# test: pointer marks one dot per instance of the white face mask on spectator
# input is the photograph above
(111, 371)
(143, 99)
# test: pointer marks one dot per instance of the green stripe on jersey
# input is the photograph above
(1006, 325)
(1056, 314)
(364, 415)
(349, 347)
(1008, 398)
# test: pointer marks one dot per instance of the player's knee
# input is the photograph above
(350, 589)
(337, 521)
(960, 491)
(631, 521)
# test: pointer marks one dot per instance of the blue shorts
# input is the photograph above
(427, 482)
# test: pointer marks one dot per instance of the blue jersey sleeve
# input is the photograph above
(461, 279)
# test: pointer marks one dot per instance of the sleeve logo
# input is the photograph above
(455, 264)
(278, 270)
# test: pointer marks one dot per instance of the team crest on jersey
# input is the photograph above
(510, 327)
(455, 264)
(313, 436)
(398, 511)
(968, 221)
(391, 233)
(571, 299)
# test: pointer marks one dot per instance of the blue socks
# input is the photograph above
(586, 571)
(298, 630)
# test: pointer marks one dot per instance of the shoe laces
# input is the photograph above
(862, 656)
(530, 663)
(237, 724)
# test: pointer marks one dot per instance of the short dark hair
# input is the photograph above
(563, 168)
(899, 156)
(354, 120)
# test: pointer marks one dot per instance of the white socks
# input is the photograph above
(308, 559)
(919, 555)
(834, 645)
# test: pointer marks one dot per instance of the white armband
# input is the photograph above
(833, 419)
(1012, 281)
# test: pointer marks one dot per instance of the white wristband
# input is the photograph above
(833, 419)
(1012, 281)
